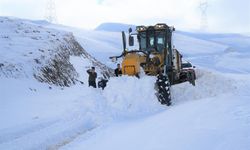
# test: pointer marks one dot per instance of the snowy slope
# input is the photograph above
(100, 44)
(126, 115)
(24, 43)
(29, 49)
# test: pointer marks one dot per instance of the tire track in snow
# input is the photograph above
(12, 134)
(43, 136)
(68, 140)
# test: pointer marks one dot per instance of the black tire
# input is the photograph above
(163, 90)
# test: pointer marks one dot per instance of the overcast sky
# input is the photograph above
(222, 15)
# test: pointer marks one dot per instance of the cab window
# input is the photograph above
(151, 41)
(160, 42)
(142, 40)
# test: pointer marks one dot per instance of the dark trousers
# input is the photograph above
(92, 83)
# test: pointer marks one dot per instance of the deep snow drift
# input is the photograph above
(126, 115)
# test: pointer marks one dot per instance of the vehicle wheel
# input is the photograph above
(163, 90)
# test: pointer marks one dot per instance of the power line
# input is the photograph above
(50, 15)
(203, 7)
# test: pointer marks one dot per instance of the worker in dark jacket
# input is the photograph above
(118, 70)
(92, 77)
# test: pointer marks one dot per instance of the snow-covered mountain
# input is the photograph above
(126, 115)
(114, 27)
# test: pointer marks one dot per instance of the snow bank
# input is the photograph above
(208, 84)
(131, 96)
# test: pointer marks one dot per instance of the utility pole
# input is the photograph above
(203, 7)
(50, 15)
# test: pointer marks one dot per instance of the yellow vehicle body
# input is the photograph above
(131, 64)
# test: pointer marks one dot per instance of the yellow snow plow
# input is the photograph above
(156, 56)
